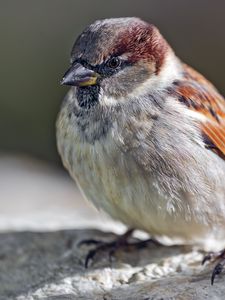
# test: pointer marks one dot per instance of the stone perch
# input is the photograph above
(50, 266)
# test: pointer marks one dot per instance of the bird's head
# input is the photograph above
(115, 58)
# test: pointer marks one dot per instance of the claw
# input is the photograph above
(90, 256)
(217, 270)
(112, 247)
(206, 258)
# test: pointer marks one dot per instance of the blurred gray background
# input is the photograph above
(36, 38)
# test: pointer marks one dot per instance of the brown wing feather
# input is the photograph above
(200, 95)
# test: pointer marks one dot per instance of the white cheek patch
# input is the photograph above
(171, 70)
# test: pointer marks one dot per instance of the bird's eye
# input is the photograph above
(114, 62)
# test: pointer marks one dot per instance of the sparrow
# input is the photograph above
(143, 135)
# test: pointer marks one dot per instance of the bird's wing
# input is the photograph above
(199, 95)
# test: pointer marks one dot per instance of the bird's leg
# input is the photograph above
(112, 247)
(216, 256)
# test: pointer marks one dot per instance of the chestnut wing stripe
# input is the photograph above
(214, 134)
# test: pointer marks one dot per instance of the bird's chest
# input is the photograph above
(109, 173)
(107, 176)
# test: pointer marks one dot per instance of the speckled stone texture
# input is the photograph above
(50, 266)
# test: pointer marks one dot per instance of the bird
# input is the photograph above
(143, 135)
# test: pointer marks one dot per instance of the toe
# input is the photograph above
(217, 270)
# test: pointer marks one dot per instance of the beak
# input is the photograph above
(77, 75)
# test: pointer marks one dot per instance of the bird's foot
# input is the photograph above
(216, 256)
(111, 247)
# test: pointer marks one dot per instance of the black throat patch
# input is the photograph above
(88, 96)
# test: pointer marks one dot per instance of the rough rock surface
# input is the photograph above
(50, 266)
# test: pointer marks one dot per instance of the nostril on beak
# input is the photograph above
(77, 75)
